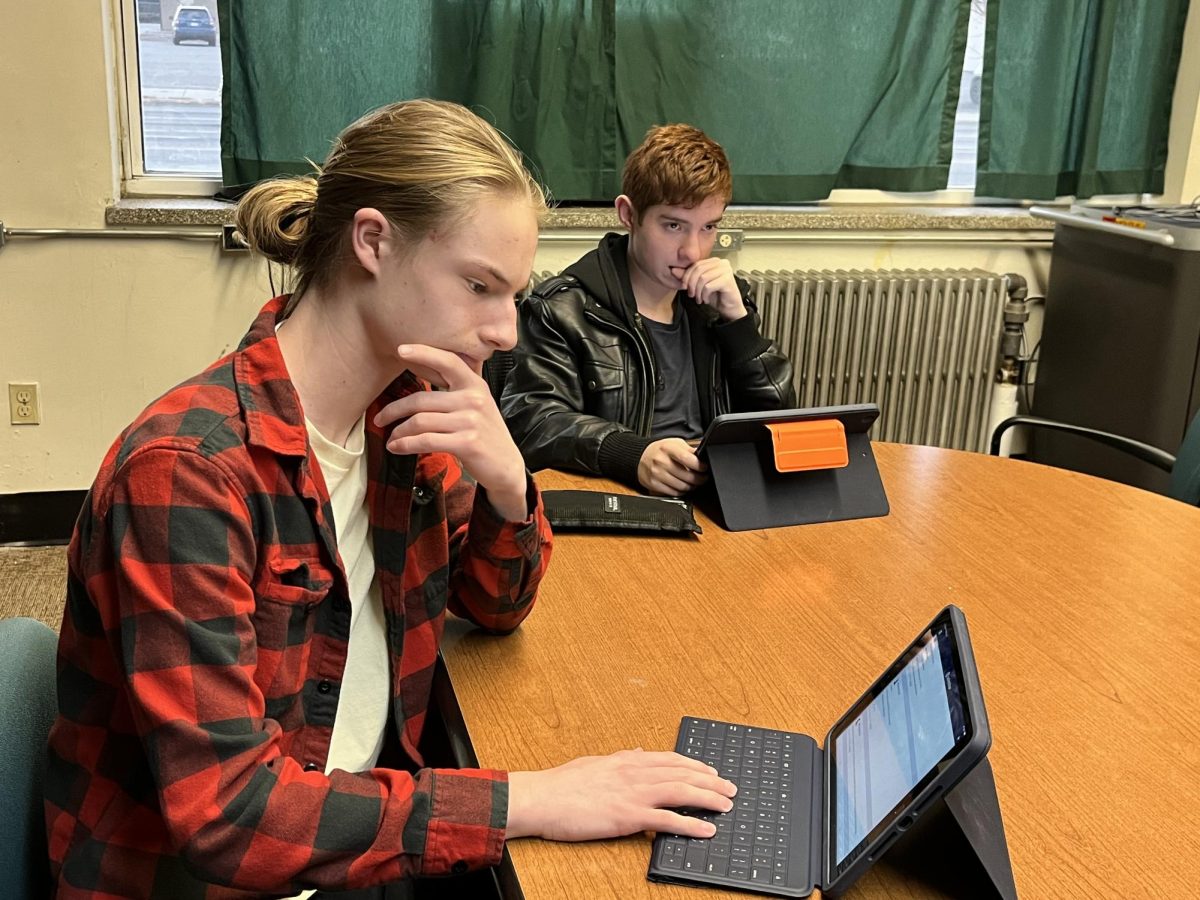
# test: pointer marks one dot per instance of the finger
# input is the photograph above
(421, 401)
(669, 485)
(456, 422)
(669, 822)
(680, 793)
(451, 442)
(703, 780)
(684, 472)
(689, 478)
(695, 281)
(684, 457)
(669, 758)
(450, 371)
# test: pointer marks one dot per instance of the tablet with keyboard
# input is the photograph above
(808, 816)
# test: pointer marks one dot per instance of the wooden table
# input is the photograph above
(1083, 599)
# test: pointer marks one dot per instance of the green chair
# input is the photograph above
(27, 709)
(1184, 468)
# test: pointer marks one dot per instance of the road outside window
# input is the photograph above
(179, 68)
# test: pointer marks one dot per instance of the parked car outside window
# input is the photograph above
(194, 23)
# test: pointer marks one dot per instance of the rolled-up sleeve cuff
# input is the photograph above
(467, 822)
(504, 539)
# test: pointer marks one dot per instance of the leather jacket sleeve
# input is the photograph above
(758, 376)
(543, 399)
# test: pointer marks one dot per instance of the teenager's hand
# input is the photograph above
(711, 281)
(609, 796)
(463, 420)
(671, 467)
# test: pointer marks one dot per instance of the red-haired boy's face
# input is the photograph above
(669, 239)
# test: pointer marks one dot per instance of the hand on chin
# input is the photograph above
(438, 378)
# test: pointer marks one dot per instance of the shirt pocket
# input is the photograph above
(286, 598)
(287, 595)
(295, 580)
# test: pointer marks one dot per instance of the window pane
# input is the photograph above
(966, 121)
(179, 64)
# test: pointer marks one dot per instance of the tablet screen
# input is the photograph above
(892, 743)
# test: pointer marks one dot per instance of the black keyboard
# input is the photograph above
(756, 840)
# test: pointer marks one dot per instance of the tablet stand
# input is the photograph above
(957, 845)
(753, 493)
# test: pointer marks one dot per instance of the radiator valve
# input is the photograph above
(1016, 314)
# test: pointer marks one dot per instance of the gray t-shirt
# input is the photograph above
(676, 402)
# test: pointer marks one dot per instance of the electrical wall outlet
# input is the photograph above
(728, 240)
(23, 407)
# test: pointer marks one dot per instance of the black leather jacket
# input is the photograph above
(581, 392)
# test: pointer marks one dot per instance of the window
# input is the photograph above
(173, 102)
(966, 119)
(172, 93)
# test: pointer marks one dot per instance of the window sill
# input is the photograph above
(162, 212)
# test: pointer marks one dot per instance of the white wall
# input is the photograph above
(105, 325)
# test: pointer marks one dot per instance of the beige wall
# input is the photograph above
(105, 325)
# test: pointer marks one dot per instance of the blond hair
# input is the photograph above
(676, 165)
(422, 163)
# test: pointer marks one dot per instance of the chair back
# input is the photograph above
(495, 372)
(1185, 477)
(28, 706)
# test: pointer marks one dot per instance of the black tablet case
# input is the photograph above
(575, 510)
(752, 493)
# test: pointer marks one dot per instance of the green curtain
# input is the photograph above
(541, 70)
(296, 73)
(1077, 96)
(805, 95)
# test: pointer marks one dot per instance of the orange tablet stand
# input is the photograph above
(815, 444)
(793, 467)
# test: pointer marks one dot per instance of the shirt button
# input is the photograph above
(324, 687)
(459, 868)
(311, 767)
(591, 385)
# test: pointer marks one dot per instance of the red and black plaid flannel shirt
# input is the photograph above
(204, 642)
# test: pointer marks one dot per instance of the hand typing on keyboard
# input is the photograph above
(622, 793)
(755, 838)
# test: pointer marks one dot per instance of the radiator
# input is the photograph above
(920, 344)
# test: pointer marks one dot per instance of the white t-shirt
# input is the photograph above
(366, 686)
(358, 727)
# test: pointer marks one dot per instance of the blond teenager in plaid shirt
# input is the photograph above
(259, 579)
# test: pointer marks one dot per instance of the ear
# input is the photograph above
(371, 238)
(626, 212)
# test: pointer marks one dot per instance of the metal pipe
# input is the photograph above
(856, 237)
(189, 233)
(871, 238)
(552, 237)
